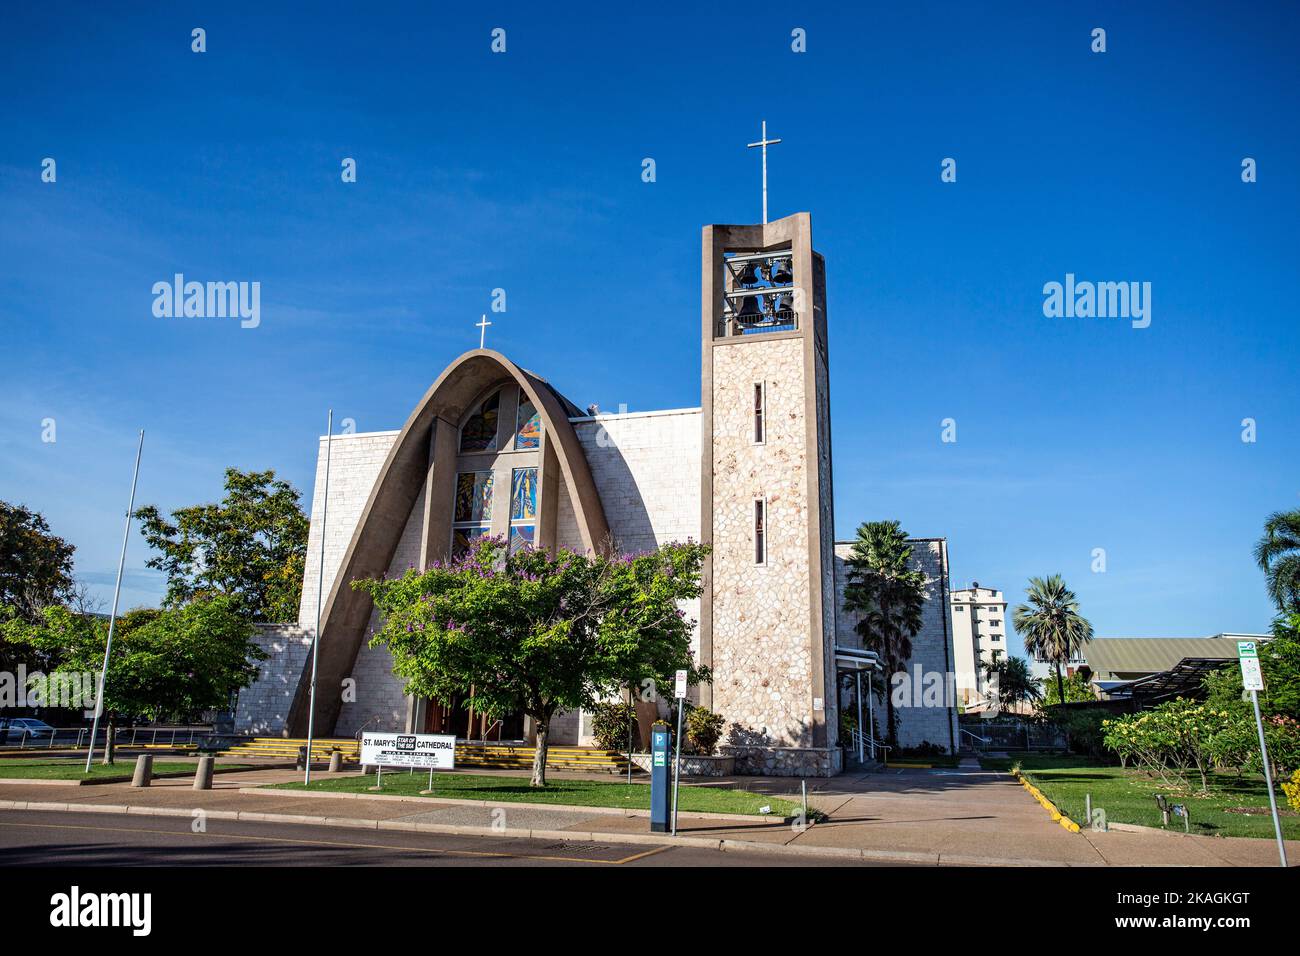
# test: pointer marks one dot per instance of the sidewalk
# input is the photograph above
(942, 817)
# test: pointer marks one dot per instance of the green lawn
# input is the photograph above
(55, 769)
(1128, 796)
(581, 793)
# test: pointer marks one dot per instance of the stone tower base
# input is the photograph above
(787, 761)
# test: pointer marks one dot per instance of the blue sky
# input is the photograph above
(522, 171)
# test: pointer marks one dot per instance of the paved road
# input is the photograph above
(100, 839)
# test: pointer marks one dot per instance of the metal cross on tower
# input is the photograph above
(764, 143)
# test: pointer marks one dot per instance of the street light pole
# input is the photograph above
(112, 621)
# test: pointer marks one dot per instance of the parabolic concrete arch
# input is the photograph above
(424, 456)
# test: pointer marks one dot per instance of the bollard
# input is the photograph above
(302, 758)
(336, 760)
(203, 774)
(143, 771)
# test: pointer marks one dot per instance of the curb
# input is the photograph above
(55, 782)
(1057, 815)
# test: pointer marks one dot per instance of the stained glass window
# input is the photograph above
(463, 539)
(523, 494)
(521, 536)
(480, 431)
(473, 496)
(528, 426)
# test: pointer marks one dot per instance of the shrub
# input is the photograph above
(1235, 746)
(923, 749)
(1283, 737)
(704, 729)
(1170, 741)
(1292, 791)
(1083, 729)
(609, 724)
(848, 725)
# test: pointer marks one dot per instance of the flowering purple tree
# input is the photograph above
(525, 631)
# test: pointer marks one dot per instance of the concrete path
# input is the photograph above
(946, 817)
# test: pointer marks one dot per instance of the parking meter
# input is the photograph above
(660, 761)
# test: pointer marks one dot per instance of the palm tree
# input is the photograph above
(1015, 682)
(888, 592)
(1278, 556)
(1051, 625)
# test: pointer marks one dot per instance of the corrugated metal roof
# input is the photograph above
(1127, 655)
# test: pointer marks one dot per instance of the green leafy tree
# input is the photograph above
(1012, 681)
(524, 631)
(250, 546)
(1050, 624)
(166, 664)
(35, 565)
(1278, 555)
(1170, 741)
(1279, 660)
(1077, 689)
(888, 594)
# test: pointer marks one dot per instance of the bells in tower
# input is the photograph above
(760, 298)
(750, 312)
(748, 274)
(778, 271)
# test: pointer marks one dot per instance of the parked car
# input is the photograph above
(36, 729)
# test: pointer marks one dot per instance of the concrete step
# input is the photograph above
(487, 756)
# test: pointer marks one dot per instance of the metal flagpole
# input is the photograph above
(320, 586)
(1268, 778)
(112, 621)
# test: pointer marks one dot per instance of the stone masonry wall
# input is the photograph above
(646, 466)
(380, 702)
(762, 649)
(931, 651)
(355, 462)
(263, 707)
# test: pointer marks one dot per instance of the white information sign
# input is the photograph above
(1252, 678)
(426, 751)
(681, 685)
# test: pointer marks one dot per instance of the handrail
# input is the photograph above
(869, 742)
(984, 741)
(487, 733)
(75, 737)
(362, 729)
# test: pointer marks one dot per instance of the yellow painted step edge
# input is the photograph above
(1057, 815)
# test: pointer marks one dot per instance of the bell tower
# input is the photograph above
(767, 616)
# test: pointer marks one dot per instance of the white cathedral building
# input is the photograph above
(493, 448)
